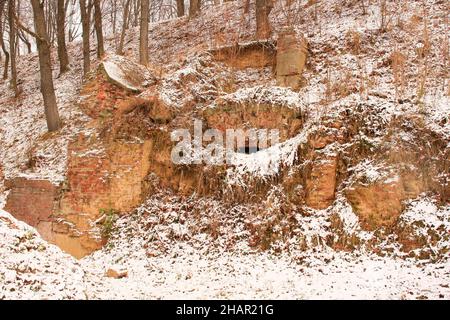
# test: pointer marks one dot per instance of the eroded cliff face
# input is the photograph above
(350, 157)
(105, 175)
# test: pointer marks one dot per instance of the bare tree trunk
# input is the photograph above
(23, 37)
(20, 34)
(194, 7)
(73, 26)
(363, 5)
(126, 13)
(47, 88)
(61, 37)
(246, 6)
(114, 17)
(98, 29)
(12, 45)
(2, 43)
(136, 11)
(143, 38)
(48, 13)
(263, 28)
(86, 44)
(180, 8)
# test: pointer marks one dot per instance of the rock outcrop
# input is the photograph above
(380, 204)
(126, 74)
(257, 54)
(320, 185)
(291, 59)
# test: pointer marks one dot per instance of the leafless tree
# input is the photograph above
(180, 8)
(125, 20)
(61, 37)
(85, 23)
(194, 7)
(12, 45)
(2, 42)
(45, 67)
(143, 38)
(98, 28)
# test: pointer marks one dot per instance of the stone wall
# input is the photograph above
(109, 179)
(32, 201)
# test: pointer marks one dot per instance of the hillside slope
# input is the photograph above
(359, 180)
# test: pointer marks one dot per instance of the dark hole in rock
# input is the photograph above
(249, 149)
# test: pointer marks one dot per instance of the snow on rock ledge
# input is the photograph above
(276, 96)
(30, 268)
(126, 73)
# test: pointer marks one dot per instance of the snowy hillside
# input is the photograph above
(353, 201)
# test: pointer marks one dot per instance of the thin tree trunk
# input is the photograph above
(114, 17)
(126, 13)
(246, 6)
(43, 46)
(143, 38)
(24, 39)
(180, 8)
(194, 7)
(61, 38)
(12, 45)
(136, 10)
(86, 44)
(2, 43)
(98, 29)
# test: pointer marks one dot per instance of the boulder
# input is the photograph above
(126, 73)
(117, 272)
(380, 203)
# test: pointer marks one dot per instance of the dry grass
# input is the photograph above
(423, 53)
(398, 61)
(353, 40)
(338, 87)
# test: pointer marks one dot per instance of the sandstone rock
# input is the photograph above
(379, 204)
(251, 113)
(291, 59)
(160, 112)
(32, 201)
(255, 54)
(117, 272)
(110, 179)
(319, 139)
(320, 186)
(38, 203)
(126, 73)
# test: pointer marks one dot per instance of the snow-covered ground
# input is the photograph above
(189, 274)
(30, 268)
